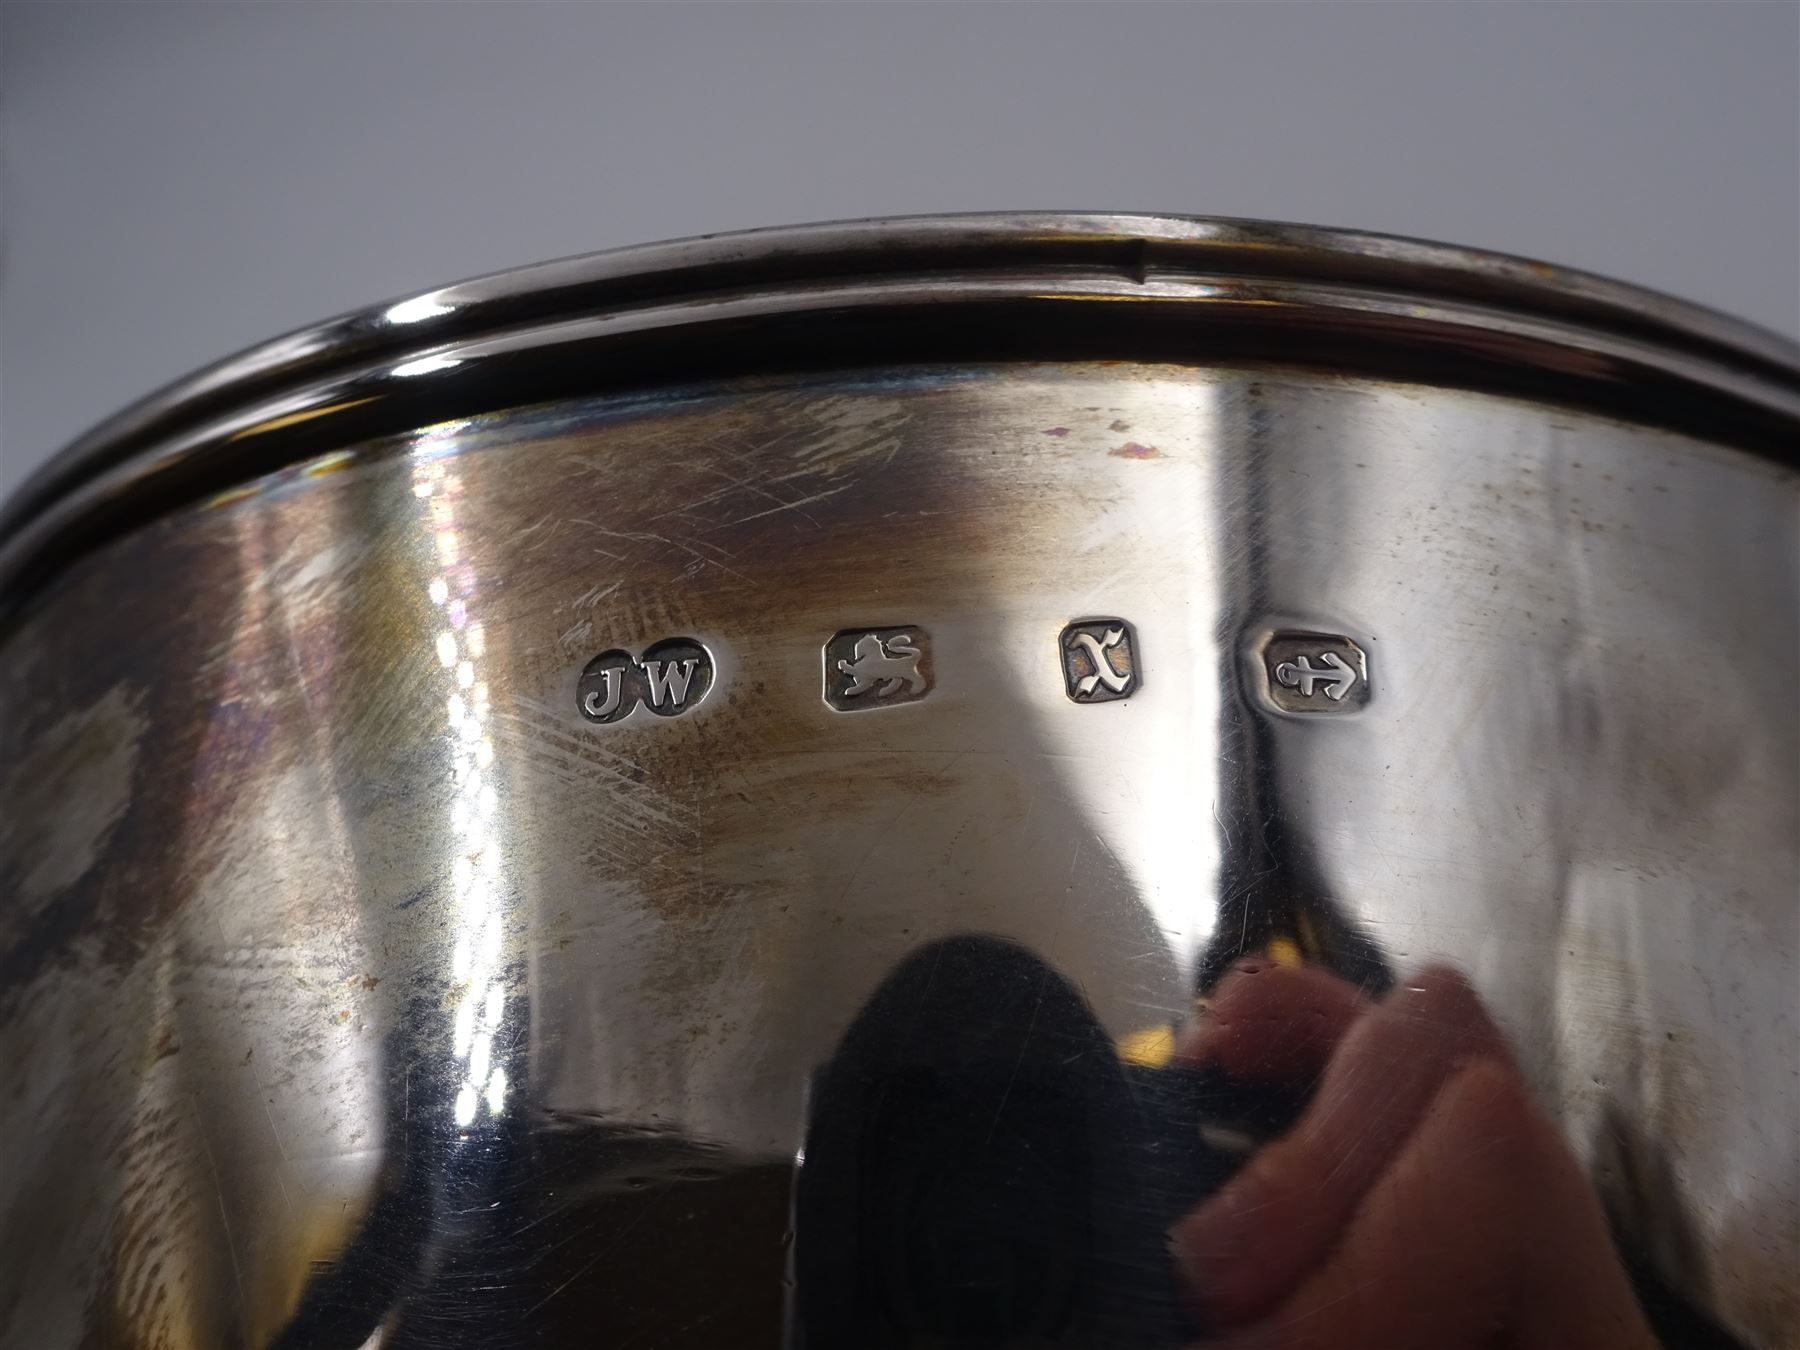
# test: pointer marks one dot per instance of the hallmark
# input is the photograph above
(1315, 673)
(877, 668)
(1099, 660)
(673, 676)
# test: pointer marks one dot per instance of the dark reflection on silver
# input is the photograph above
(365, 985)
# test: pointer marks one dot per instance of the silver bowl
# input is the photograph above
(886, 784)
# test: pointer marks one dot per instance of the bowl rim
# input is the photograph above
(1386, 302)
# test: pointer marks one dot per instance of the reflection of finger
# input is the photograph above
(1471, 1239)
(1430, 1257)
(1279, 1217)
(1267, 1022)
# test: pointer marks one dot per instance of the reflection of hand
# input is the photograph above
(1421, 1201)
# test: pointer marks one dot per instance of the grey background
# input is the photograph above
(184, 180)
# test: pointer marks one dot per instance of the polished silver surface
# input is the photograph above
(365, 980)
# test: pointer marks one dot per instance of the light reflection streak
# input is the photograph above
(425, 365)
(427, 306)
(476, 867)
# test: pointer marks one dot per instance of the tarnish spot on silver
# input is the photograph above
(69, 789)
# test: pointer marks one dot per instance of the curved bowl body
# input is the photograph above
(692, 800)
